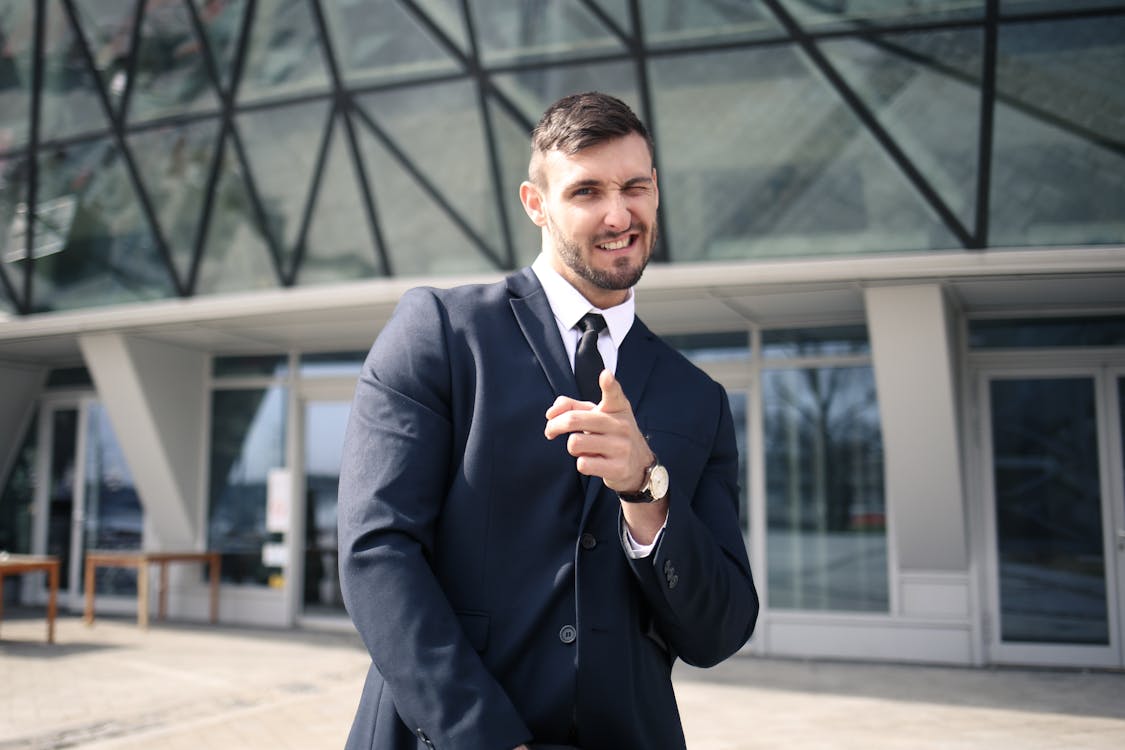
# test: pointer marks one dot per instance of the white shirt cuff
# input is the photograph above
(635, 550)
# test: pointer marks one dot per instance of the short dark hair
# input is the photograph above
(579, 121)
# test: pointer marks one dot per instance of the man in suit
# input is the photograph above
(525, 562)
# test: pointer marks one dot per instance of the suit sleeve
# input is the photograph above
(697, 581)
(393, 480)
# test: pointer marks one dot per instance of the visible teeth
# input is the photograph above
(615, 245)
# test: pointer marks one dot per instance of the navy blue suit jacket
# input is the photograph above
(487, 577)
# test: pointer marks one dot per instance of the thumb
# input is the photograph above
(613, 397)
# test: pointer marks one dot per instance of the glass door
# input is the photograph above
(1049, 506)
(88, 500)
(323, 423)
(1117, 434)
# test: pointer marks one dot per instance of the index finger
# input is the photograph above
(613, 397)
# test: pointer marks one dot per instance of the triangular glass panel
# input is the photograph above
(236, 256)
(222, 24)
(93, 244)
(384, 43)
(674, 24)
(1072, 72)
(447, 16)
(1052, 186)
(510, 32)
(13, 225)
(282, 146)
(175, 165)
(438, 129)
(618, 12)
(339, 246)
(107, 26)
(823, 16)
(782, 169)
(513, 145)
(171, 74)
(15, 73)
(70, 103)
(420, 238)
(284, 56)
(533, 90)
(931, 112)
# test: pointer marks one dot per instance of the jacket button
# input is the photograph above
(588, 541)
(568, 634)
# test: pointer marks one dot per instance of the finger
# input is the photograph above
(570, 419)
(613, 397)
(564, 404)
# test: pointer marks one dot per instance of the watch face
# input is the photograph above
(658, 482)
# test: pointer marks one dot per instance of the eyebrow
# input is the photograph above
(631, 182)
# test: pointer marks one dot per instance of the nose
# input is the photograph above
(617, 216)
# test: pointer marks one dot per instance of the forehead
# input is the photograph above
(613, 162)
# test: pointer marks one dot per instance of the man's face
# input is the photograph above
(598, 212)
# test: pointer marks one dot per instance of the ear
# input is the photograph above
(532, 201)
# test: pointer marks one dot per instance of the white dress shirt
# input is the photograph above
(568, 305)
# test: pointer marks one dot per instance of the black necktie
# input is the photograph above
(588, 363)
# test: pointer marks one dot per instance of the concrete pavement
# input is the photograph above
(115, 687)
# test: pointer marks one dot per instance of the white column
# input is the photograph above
(154, 394)
(914, 365)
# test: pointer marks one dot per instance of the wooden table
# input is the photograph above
(19, 564)
(141, 561)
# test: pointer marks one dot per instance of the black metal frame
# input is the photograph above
(500, 253)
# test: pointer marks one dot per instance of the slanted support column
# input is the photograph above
(914, 364)
(154, 395)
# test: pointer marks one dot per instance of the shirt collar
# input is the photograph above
(568, 304)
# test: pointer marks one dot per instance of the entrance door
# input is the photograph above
(1052, 510)
(88, 500)
(323, 421)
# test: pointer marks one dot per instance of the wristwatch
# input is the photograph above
(655, 487)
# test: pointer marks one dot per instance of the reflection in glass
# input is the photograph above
(862, 14)
(17, 494)
(114, 516)
(324, 440)
(284, 56)
(282, 147)
(1048, 511)
(93, 245)
(1057, 155)
(247, 440)
(268, 365)
(171, 74)
(789, 343)
(340, 245)
(739, 403)
(826, 516)
(236, 256)
(932, 114)
(780, 166)
(540, 30)
(674, 22)
(1039, 333)
(711, 347)
(16, 25)
(327, 364)
(174, 164)
(70, 100)
(13, 224)
(60, 489)
(384, 46)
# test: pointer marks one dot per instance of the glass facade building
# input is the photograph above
(893, 230)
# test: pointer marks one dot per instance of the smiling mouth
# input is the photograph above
(619, 244)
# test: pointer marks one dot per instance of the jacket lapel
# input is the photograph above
(533, 313)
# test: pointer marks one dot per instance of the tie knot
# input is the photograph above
(591, 322)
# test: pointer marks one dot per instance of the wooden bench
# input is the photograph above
(19, 564)
(141, 561)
